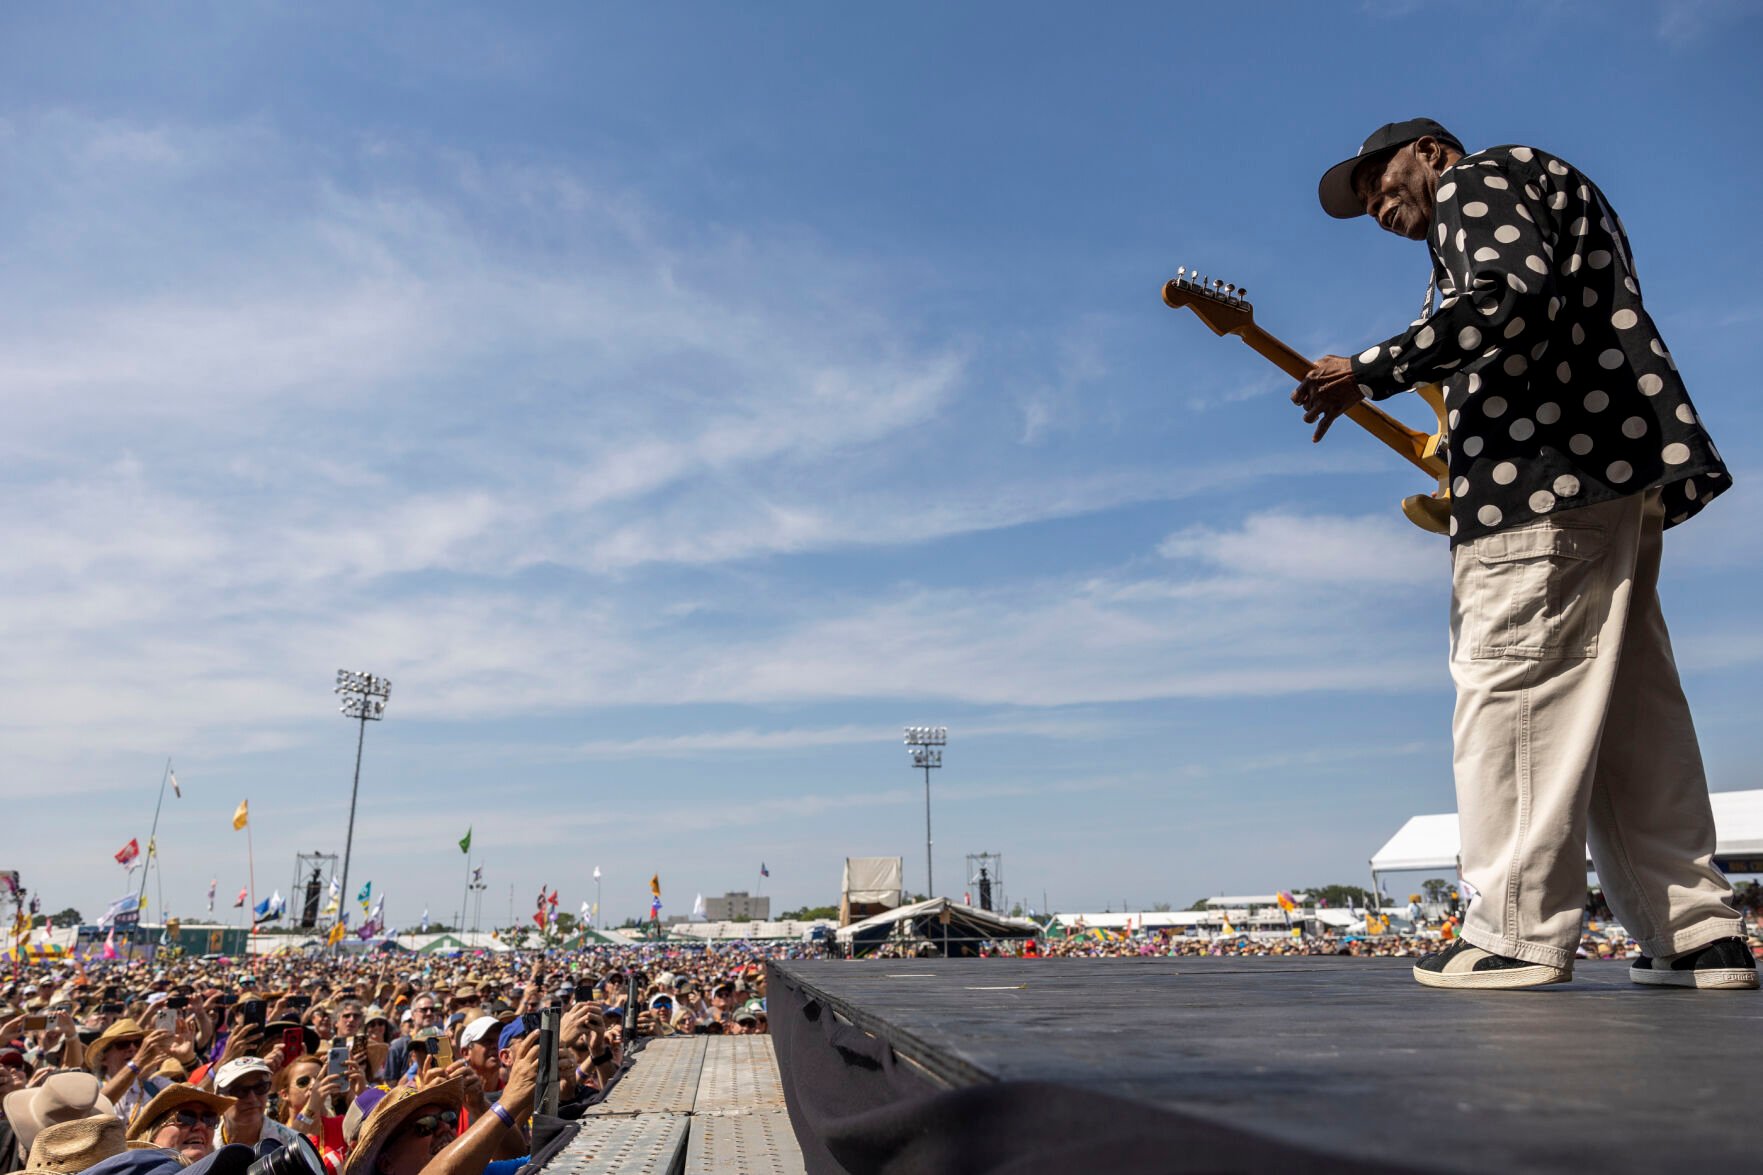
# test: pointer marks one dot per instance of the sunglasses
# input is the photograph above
(189, 1118)
(429, 1123)
(255, 1089)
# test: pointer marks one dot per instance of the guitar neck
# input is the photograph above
(1412, 445)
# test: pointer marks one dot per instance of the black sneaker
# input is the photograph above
(1461, 965)
(1725, 963)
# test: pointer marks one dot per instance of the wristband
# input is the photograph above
(133, 1068)
(602, 1058)
(501, 1112)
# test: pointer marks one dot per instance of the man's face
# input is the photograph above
(1399, 190)
(349, 1021)
(422, 1013)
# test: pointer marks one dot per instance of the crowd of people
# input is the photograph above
(347, 1065)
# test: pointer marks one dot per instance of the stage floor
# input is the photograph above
(1345, 1056)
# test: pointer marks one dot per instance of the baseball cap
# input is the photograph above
(1336, 189)
(478, 1029)
(513, 1031)
(235, 1069)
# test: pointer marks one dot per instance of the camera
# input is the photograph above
(275, 1159)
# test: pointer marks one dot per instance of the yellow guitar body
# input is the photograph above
(1227, 312)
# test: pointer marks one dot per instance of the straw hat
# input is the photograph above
(122, 1030)
(393, 1111)
(169, 1099)
(63, 1097)
(67, 1148)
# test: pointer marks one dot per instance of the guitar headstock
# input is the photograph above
(1221, 306)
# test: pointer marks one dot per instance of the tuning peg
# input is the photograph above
(1242, 294)
(1181, 274)
(1230, 290)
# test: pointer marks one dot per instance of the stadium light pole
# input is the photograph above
(364, 699)
(924, 744)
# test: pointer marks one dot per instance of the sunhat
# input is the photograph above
(393, 1111)
(67, 1148)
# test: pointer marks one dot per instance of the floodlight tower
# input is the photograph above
(364, 699)
(924, 744)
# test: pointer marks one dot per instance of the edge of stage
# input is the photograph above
(1295, 1063)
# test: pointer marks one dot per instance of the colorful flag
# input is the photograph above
(477, 875)
(240, 900)
(128, 852)
(336, 934)
(425, 919)
(699, 912)
(655, 885)
(586, 911)
(1228, 928)
(596, 873)
(175, 789)
(242, 816)
(539, 917)
(465, 842)
(110, 944)
(211, 886)
(763, 871)
(152, 847)
(552, 902)
(365, 894)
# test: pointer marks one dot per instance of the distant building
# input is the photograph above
(737, 907)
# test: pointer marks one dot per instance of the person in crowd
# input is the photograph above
(181, 1118)
(124, 1057)
(246, 1083)
(68, 1148)
(42, 1100)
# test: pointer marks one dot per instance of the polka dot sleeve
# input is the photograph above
(1492, 242)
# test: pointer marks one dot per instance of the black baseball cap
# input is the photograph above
(1336, 189)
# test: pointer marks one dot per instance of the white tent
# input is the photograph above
(1432, 842)
(966, 925)
(872, 881)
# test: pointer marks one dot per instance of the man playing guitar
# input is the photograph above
(1572, 445)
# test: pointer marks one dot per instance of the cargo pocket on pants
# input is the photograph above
(1536, 593)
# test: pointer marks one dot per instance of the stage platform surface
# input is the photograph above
(1346, 1057)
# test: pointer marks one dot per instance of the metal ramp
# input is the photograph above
(690, 1106)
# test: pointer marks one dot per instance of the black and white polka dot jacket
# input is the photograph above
(1560, 390)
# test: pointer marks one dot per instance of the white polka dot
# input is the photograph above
(1489, 515)
(1514, 328)
(1658, 349)
(1619, 472)
(1453, 418)
(1628, 284)
(1580, 444)
(1471, 446)
(1453, 526)
(1675, 454)
(1525, 212)
(1536, 264)
(1596, 401)
(1598, 258)
(1473, 384)
(1554, 308)
(1572, 264)
(1460, 488)
(1536, 352)
(1686, 414)
(1366, 391)
(1486, 254)
(1589, 297)
(1578, 227)
(1498, 183)
(1370, 354)
(1610, 360)
(1505, 234)
(1522, 429)
(1555, 167)
(1558, 201)
(1634, 428)
(1475, 208)
(1623, 319)
(1442, 231)
(1505, 473)
(1461, 237)
(1424, 339)
(1563, 372)
(1469, 338)
(1522, 154)
(1445, 192)
(1578, 334)
(1517, 283)
(1650, 385)
(1542, 502)
(1494, 407)
(1548, 413)
(1689, 488)
(1514, 365)
(1566, 486)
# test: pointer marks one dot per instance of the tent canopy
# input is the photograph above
(925, 920)
(872, 880)
(1432, 842)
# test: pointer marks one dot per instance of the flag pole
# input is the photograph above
(152, 849)
(251, 878)
(465, 894)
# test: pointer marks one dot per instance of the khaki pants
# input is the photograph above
(1570, 718)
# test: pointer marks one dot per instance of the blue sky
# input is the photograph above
(674, 403)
